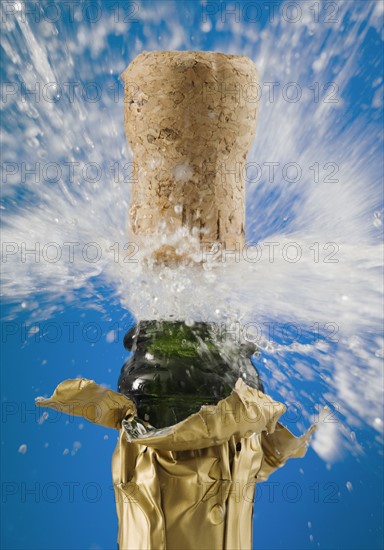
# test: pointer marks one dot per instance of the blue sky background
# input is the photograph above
(333, 498)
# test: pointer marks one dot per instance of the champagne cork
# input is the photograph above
(190, 118)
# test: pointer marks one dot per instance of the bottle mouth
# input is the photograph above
(181, 336)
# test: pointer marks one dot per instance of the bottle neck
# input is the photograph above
(174, 369)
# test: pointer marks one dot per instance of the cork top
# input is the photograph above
(190, 117)
(185, 59)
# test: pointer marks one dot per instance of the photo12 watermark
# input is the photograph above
(270, 11)
(22, 412)
(92, 332)
(69, 11)
(268, 92)
(74, 252)
(250, 172)
(91, 492)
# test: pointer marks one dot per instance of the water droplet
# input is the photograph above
(349, 486)
(23, 449)
(377, 219)
(43, 417)
(76, 445)
(110, 336)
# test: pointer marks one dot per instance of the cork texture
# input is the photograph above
(190, 118)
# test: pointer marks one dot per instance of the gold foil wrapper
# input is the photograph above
(191, 485)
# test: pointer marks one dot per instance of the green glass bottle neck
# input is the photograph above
(175, 368)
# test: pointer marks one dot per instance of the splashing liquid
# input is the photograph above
(311, 291)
